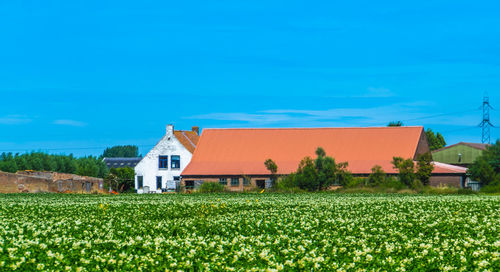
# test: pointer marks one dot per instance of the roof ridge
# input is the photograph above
(311, 128)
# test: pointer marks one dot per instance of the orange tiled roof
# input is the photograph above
(243, 151)
(189, 139)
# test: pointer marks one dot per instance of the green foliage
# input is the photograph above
(91, 166)
(8, 163)
(249, 232)
(39, 161)
(395, 124)
(486, 168)
(121, 151)
(318, 174)
(121, 179)
(436, 141)
(272, 167)
(406, 169)
(211, 187)
(377, 177)
(424, 168)
(492, 188)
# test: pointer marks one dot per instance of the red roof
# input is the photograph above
(243, 151)
(189, 139)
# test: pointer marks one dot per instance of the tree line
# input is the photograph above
(323, 172)
(92, 166)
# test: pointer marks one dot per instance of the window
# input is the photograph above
(158, 183)
(189, 184)
(246, 181)
(177, 178)
(176, 162)
(163, 162)
(235, 181)
(139, 182)
(223, 181)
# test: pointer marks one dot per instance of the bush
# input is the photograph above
(377, 177)
(466, 191)
(356, 182)
(394, 183)
(211, 187)
(491, 188)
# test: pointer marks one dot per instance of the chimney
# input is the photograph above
(196, 129)
(170, 129)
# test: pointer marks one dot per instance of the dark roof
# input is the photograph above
(121, 162)
(473, 145)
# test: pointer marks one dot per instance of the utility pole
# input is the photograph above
(486, 124)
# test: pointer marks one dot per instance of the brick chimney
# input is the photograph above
(196, 129)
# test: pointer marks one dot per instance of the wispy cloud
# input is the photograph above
(374, 116)
(14, 120)
(72, 123)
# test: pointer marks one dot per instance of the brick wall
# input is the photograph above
(34, 182)
(239, 188)
(453, 181)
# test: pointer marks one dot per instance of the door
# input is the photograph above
(261, 183)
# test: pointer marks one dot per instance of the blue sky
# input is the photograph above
(77, 76)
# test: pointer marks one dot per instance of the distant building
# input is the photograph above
(44, 182)
(160, 170)
(235, 157)
(121, 162)
(461, 154)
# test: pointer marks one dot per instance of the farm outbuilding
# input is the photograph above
(461, 154)
(235, 157)
(44, 182)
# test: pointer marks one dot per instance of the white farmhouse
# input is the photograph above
(160, 170)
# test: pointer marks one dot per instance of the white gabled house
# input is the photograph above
(160, 170)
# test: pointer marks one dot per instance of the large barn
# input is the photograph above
(235, 157)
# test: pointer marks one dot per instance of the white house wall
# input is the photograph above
(149, 169)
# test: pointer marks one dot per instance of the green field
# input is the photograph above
(249, 232)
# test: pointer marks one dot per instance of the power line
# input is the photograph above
(440, 115)
(62, 149)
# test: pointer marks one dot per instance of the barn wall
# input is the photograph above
(453, 181)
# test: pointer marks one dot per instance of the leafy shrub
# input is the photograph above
(491, 188)
(377, 177)
(211, 187)
(466, 191)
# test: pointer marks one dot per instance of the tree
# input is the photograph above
(482, 171)
(8, 164)
(92, 167)
(486, 168)
(436, 141)
(424, 168)
(122, 151)
(273, 168)
(406, 169)
(318, 174)
(121, 179)
(395, 124)
(377, 177)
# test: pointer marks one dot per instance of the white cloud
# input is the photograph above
(347, 117)
(73, 123)
(14, 120)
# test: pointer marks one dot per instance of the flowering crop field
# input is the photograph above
(313, 232)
